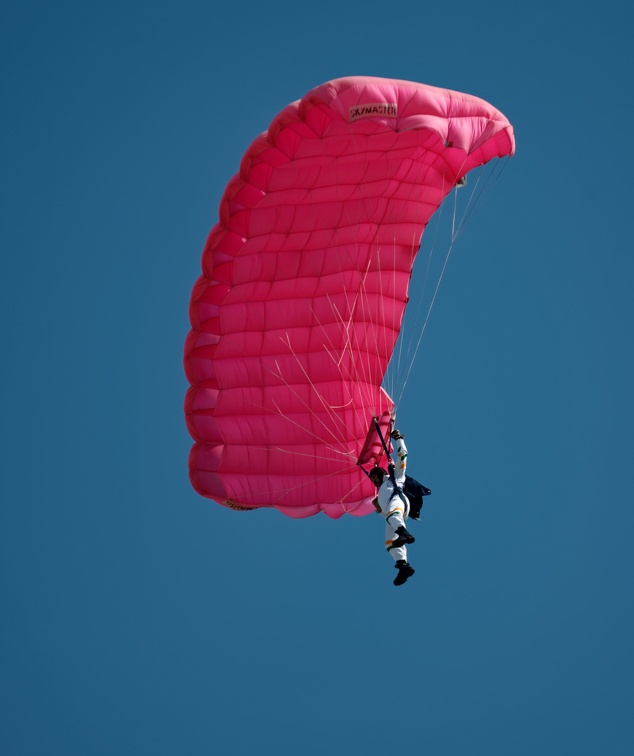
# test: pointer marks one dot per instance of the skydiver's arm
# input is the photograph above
(400, 461)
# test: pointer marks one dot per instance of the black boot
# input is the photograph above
(405, 571)
(403, 538)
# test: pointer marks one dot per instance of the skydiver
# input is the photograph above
(394, 505)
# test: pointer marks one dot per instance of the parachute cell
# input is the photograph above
(304, 284)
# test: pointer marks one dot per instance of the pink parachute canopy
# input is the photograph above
(304, 284)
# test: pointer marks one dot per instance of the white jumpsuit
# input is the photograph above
(395, 507)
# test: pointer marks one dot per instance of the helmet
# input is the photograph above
(377, 472)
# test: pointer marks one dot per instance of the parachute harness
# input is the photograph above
(398, 491)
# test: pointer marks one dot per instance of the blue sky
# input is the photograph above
(139, 618)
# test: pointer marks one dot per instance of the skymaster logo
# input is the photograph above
(374, 110)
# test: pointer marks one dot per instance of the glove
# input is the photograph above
(396, 434)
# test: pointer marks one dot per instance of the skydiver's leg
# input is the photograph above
(396, 552)
(395, 515)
